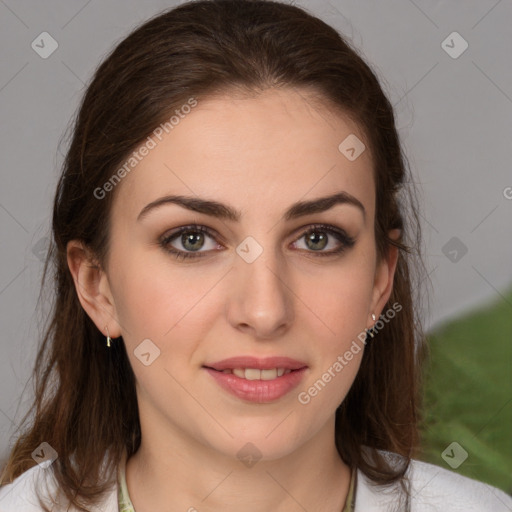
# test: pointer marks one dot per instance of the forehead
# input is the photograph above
(276, 147)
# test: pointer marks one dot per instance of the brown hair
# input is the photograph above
(85, 403)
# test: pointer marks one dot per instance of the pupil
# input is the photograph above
(316, 238)
(192, 239)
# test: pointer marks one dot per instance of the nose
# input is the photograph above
(261, 301)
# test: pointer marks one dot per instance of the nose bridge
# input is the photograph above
(261, 299)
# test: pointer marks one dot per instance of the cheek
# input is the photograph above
(340, 298)
(154, 296)
(173, 307)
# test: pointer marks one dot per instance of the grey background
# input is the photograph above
(454, 117)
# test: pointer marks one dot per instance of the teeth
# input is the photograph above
(269, 374)
(252, 374)
(255, 374)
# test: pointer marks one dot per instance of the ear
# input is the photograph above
(92, 288)
(384, 276)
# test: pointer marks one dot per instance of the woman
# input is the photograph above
(234, 323)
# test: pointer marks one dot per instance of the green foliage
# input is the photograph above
(468, 393)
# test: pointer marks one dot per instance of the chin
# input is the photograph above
(262, 440)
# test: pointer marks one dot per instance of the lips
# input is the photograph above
(264, 379)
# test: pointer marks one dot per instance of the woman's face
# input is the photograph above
(261, 282)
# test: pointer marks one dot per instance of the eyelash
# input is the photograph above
(346, 241)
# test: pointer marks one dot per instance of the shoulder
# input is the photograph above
(454, 491)
(433, 489)
(21, 495)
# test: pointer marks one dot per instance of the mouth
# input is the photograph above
(257, 380)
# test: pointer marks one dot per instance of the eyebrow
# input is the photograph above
(222, 211)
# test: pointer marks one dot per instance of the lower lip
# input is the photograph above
(259, 391)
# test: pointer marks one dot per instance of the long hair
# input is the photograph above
(85, 402)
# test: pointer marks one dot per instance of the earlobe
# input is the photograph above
(92, 288)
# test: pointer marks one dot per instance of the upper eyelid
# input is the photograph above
(191, 227)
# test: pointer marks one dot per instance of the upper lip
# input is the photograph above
(264, 363)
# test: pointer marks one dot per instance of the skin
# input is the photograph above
(259, 155)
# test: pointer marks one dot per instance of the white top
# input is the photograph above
(434, 489)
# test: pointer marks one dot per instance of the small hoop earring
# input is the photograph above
(373, 317)
(109, 339)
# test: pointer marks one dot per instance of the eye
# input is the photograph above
(188, 240)
(320, 237)
(194, 241)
